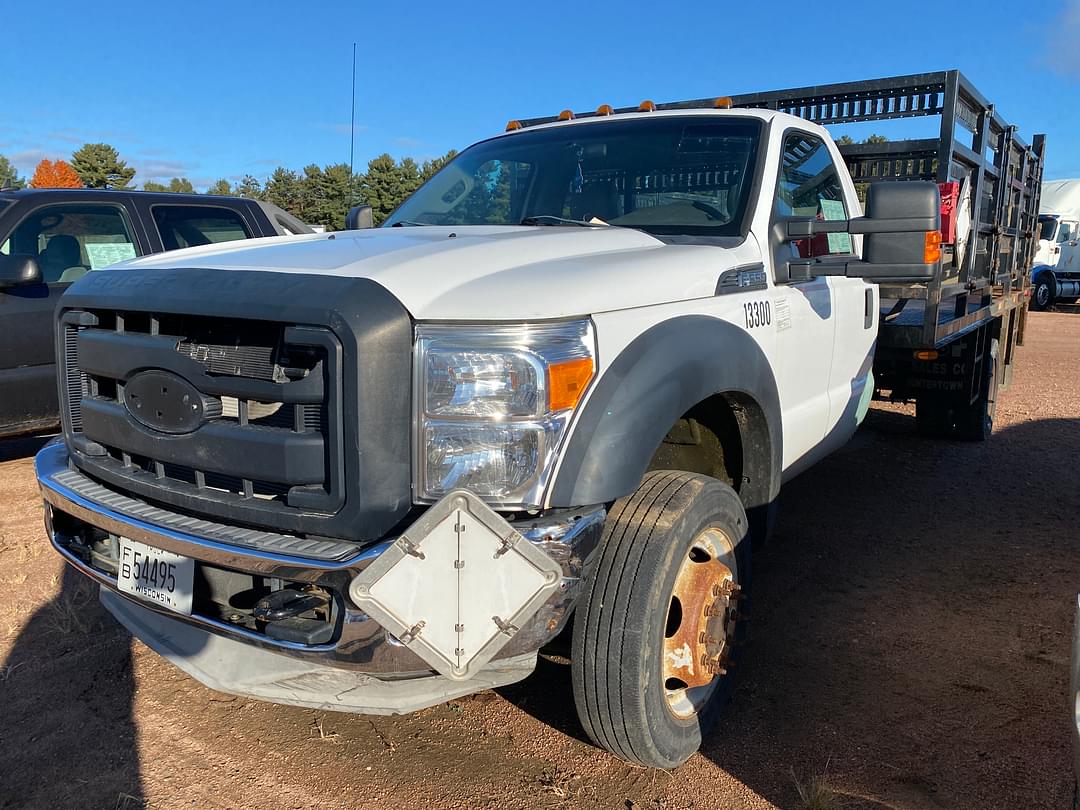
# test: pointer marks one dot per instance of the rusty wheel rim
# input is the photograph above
(700, 624)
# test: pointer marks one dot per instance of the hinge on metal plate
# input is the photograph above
(410, 548)
(505, 627)
(505, 545)
(412, 632)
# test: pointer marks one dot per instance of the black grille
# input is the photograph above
(267, 442)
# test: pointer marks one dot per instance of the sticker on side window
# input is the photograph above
(102, 254)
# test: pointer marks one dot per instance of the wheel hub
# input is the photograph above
(701, 622)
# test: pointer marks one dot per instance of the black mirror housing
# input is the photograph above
(902, 254)
(901, 235)
(359, 217)
(18, 270)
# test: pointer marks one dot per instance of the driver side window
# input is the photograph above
(810, 187)
(71, 240)
(1067, 232)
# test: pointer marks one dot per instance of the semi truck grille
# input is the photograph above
(264, 441)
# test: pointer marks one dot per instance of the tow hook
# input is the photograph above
(284, 614)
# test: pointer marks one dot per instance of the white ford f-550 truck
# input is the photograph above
(373, 470)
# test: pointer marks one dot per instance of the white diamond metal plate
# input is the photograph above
(457, 585)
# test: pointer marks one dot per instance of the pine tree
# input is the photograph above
(9, 175)
(431, 167)
(58, 174)
(249, 187)
(99, 166)
(151, 185)
(285, 190)
(221, 188)
(387, 184)
(181, 185)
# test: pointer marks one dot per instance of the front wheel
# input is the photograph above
(656, 632)
(1043, 292)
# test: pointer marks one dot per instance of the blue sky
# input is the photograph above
(209, 89)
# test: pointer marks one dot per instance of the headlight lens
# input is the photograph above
(493, 403)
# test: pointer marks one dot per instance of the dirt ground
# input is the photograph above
(910, 649)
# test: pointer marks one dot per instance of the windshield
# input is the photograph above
(1046, 227)
(664, 175)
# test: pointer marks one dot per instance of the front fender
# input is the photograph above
(653, 382)
(1040, 270)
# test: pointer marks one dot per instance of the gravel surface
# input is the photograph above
(909, 649)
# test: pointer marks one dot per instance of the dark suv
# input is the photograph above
(49, 238)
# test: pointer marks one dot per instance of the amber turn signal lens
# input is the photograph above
(566, 115)
(926, 354)
(567, 382)
(604, 109)
(512, 125)
(932, 248)
(646, 106)
(723, 103)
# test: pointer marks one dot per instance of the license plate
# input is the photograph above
(157, 576)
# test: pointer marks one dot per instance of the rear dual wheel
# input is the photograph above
(657, 631)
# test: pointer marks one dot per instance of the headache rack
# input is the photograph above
(990, 165)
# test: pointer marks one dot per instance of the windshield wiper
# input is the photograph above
(551, 219)
(403, 222)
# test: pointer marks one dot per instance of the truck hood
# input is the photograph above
(489, 272)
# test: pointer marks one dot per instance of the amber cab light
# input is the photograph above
(512, 125)
(723, 103)
(604, 109)
(566, 115)
(646, 106)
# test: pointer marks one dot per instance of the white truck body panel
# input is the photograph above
(819, 342)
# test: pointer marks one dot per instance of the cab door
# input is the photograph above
(803, 311)
(825, 325)
(1068, 258)
(68, 240)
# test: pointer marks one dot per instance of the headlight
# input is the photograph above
(493, 402)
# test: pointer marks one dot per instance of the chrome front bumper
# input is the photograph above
(361, 645)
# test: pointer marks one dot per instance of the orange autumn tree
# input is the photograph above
(55, 174)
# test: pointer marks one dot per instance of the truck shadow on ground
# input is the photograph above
(66, 692)
(69, 687)
(909, 644)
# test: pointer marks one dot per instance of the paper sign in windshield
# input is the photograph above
(102, 254)
(832, 210)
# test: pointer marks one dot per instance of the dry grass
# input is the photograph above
(815, 794)
(323, 734)
(67, 613)
(7, 670)
(125, 801)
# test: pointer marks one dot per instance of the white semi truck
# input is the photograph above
(1056, 274)
(564, 382)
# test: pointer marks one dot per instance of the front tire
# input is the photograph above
(1044, 292)
(656, 632)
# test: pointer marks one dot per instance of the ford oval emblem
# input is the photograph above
(165, 402)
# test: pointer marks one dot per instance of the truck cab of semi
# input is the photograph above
(1056, 274)
(564, 382)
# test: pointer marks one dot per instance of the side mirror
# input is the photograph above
(902, 230)
(359, 216)
(17, 270)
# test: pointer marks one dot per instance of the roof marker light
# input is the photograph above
(722, 103)
(646, 106)
(604, 109)
(566, 115)
(512, 125)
